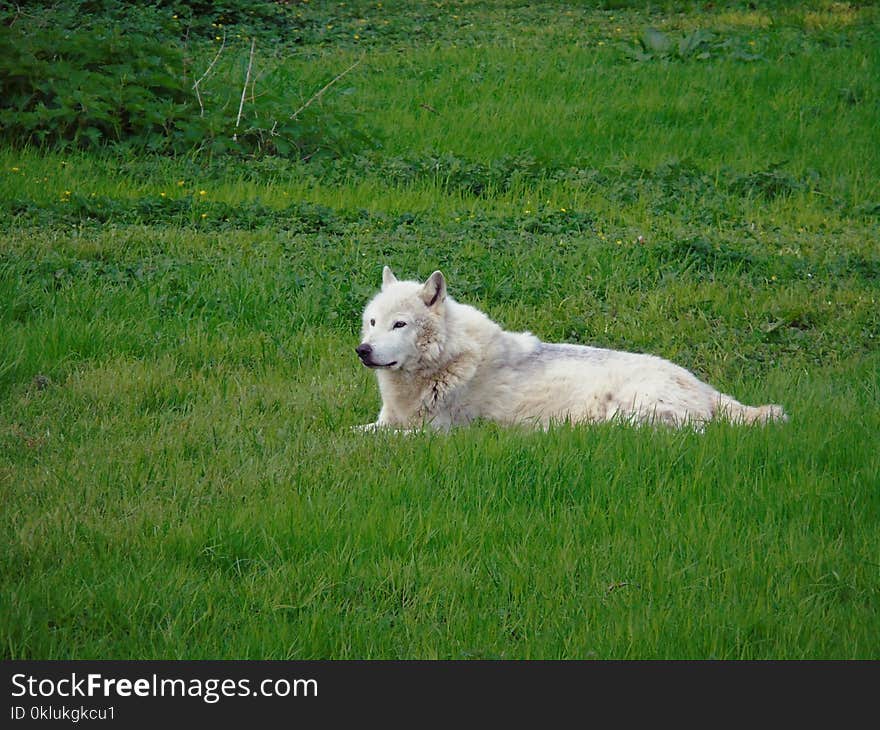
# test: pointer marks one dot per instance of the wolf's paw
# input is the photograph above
(366, 428)
(386, 428)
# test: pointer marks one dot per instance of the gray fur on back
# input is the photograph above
(545, 353)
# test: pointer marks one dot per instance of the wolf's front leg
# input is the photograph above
(404, 426)
(384, 421)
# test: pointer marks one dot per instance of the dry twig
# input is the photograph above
(326, 86)
(205, 75)
(247, 80)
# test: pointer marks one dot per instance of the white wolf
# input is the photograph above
(440, 363)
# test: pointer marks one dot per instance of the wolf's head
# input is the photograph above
(403, 325)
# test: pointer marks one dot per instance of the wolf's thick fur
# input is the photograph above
(440, 363)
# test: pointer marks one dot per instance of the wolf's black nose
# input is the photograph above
(363, 350)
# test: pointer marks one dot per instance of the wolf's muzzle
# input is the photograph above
(365, 353)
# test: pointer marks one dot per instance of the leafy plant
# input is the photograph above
(105, 80)
(699, 44)
(769, 183)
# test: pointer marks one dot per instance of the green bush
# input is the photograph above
(74, 79)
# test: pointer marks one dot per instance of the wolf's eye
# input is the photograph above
(399, 324)
(372, 323)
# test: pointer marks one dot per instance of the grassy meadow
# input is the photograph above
(178, 382)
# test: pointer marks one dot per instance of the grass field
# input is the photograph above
(177, 375)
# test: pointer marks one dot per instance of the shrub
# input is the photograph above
(73, 79)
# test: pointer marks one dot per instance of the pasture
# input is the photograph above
(178, 377)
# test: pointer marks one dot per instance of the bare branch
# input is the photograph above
(205, 75)
(185, 59)
(247, 80)
(18, 14)
(320, 93)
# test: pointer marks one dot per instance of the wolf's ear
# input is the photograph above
(388, 277)
(434, 290)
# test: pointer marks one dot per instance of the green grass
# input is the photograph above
(177, 379)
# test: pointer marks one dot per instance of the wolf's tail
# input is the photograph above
(735, 412)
